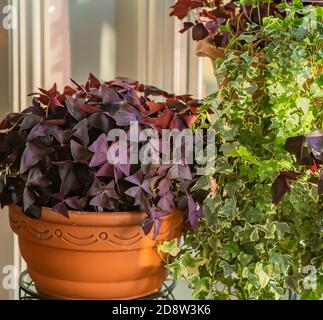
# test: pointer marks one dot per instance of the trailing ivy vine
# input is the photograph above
(247, 246)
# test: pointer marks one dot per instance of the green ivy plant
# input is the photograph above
(247, 247)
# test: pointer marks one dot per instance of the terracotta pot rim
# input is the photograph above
(100, 219)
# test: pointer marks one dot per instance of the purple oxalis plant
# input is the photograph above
(54, 153)
(308, 153)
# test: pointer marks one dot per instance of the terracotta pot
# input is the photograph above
(93, 255)
(205, 48)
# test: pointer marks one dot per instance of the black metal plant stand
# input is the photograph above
(27, 290)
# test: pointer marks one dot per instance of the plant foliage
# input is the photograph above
(248, 246)
(54, 153)
(219, 20)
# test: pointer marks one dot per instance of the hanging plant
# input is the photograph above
(258, 241)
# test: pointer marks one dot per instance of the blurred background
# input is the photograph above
(48, 41)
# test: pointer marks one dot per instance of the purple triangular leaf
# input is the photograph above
(81, 132)
(279, 188)
(80, 153)
(32, 155)
(74, 109)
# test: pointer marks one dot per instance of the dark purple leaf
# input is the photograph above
(50, 93)
(80, 153)
(109, 96)
(93, 82)
(279, 188)
(100, 121)
(40, 130)
(132, 98)
(90, 109)
(61, 208)
(211, 26)
(180, 172)
(164, 186)
(199, 32)
(68, 177)
(295, 145)
(166, 202)
(291, 175)
(30, 121)
(136, 179)
(36, 178)
(74, 109)
(81, 132)
(29, 198)
(187, 26)
(148, 225)
(34, 211)
(32, 155)
(123, 114)
(193, 213)
(315, 143)
(63, 136)
(107, 170)
(100, 150)
(76, 203)
(96, 188)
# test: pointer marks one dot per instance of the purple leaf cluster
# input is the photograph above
(219, 19)
(54, 153)
(307, 151)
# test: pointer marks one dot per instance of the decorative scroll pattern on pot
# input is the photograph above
(91, 237)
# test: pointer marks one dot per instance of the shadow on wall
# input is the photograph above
(92, 37)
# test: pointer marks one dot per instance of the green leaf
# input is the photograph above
(232, 248)
(244, 258)
(229, 208)
(190, 265)
(231, 188)
(303, 104)
(247, 37)
(278, 291)
(188, 260)
(176, 269)
(262, 276)
(223, 166)
(244, 153)
(228, 133)
(269, 229)
(252, 215)
(202, 183)
(281, 228)
(211, 206)
(297, 4)
(227, 269)
(281, 262)
(201, 286)
(229, 149)
(254, 235)
(169, 247)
